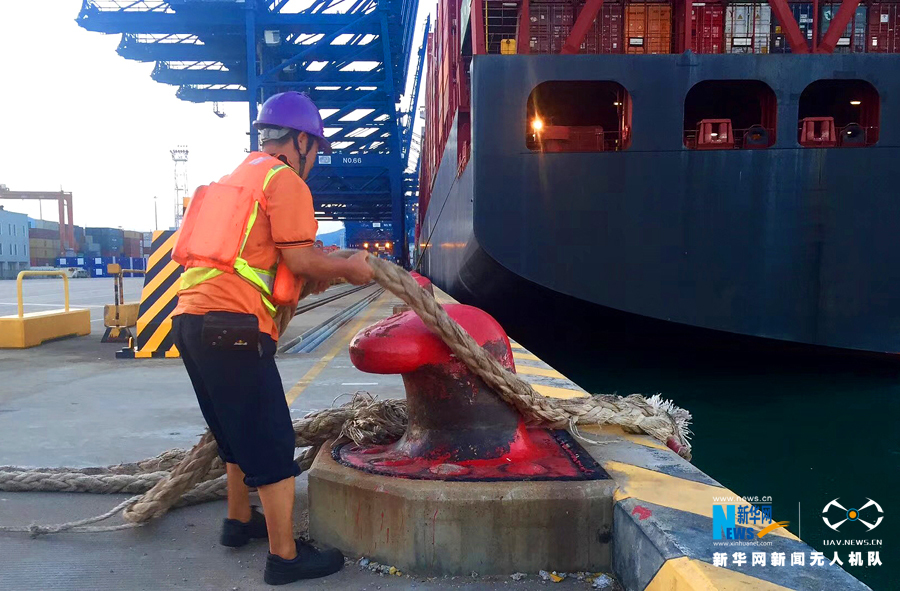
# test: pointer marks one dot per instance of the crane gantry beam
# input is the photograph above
(351, 56)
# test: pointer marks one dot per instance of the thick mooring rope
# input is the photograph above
(177, 478)
(662, 420)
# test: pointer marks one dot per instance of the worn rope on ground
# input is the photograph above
(177, 478)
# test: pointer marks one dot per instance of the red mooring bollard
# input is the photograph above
(458, 428)
(424, 282)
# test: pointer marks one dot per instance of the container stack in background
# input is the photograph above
(42, 249)
(109, 241)
(551, 23)
(95, 248)
(648, 27)
(133, 244)
(43, 242)
(653, 27)
(80, 239)
(883, 32)
(748, 28)
(619, 27)
(607, 32)
(751, 27)
(91, 248)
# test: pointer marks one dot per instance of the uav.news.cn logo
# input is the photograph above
(848, 522)
(844, 515)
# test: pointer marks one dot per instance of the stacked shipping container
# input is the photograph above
(105, 242)
(884, 28)
(550, 26)
(91, 243)
(79, 239)
(853, 39)
(648, 28)
(747, 28)
(803, 14)
(43, 242)
(43, 245)
(743, 27)
(607, 31)
(707, 28)
(132, 244)
(41, 231)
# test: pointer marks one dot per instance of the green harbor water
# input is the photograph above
(803, 431)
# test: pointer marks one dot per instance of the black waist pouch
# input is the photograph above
(230, 331)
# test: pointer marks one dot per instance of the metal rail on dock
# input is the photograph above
(312, 338)
(323, 301)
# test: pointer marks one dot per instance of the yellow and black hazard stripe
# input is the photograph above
(543, 378)
(158, 300)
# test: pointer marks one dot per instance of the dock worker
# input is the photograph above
(247, 245)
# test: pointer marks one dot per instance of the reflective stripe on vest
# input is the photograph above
(262, 279)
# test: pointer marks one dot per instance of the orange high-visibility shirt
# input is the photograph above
(288, 222)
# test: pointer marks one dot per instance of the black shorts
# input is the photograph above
(242, 399)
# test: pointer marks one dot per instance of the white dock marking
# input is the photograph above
(359, 384)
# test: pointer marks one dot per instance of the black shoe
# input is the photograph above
(309, 564)
(237, 533)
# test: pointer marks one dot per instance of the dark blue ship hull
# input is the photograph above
(786, 245)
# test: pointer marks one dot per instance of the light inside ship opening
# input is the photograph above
(578, 116)
(838, 114)
(729, 114)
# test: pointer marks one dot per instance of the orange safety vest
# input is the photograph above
(216, 226)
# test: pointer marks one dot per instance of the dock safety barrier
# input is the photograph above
(29, 330)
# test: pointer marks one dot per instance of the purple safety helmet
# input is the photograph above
(293, 110)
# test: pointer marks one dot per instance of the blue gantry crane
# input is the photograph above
(351, 56)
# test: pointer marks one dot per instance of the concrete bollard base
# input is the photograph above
(455, 528)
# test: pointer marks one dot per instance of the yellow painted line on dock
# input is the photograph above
(554, 392)
(526, 356)
(547, 372)
(322, 363)
(670, 491)
(687, 574)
